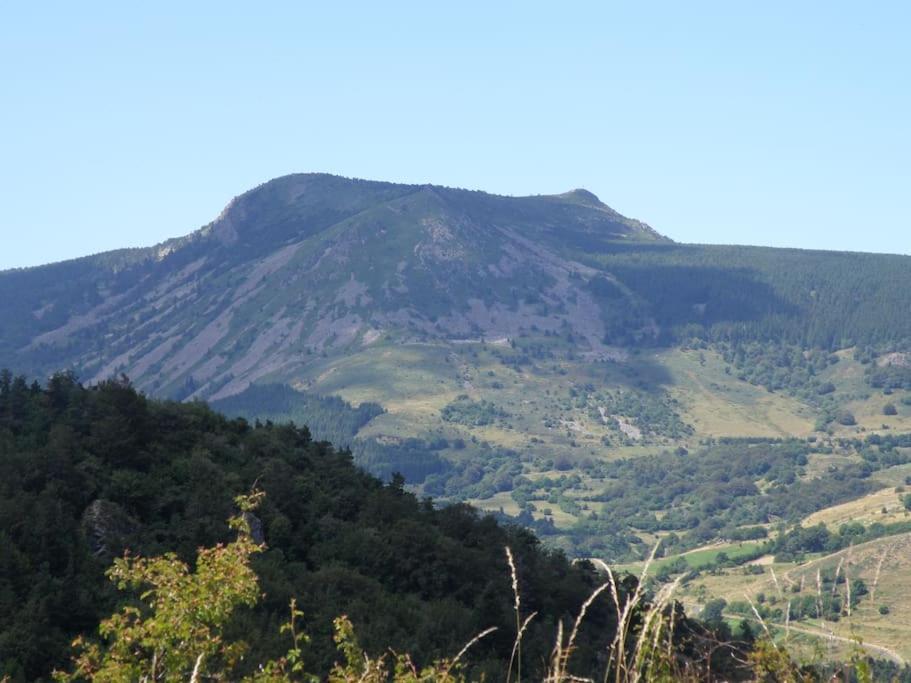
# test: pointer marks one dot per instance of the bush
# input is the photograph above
(825, 388)
(846, 418)
(471, 413)
(712, 613)
(890, 409)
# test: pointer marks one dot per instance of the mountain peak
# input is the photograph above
(584, 197)
(311, 264)
(300, 205)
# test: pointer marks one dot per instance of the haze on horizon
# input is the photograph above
(769, 124)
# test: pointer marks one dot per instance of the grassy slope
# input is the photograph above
(698, 558)
(415, 381)
(890, 631)
(866, 510)
(718, 404)
(865, 403)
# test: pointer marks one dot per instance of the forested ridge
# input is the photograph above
(813, 299)
(88, 472)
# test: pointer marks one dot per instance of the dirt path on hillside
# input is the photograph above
(826, 635)
(819, 633)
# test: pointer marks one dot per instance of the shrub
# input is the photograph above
(846, 418)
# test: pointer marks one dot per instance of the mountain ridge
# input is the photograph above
(311, 221)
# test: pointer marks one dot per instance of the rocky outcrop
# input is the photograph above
(107, 528)
(255, 524)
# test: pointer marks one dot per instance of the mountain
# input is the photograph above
(311, 264)
(505, 351)
(542, 358)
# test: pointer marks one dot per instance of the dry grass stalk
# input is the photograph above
(819, 595)
(195, 676)
(588, 603)
(652, 626)
(468, 645)
(561, 652)
(841, 563)
(775, 581)
(617, 656)
(517, 645)
(787, 621)
(847, 592)
(557, 655)
(761, 621)
(670, 640)
(879, 568)
(612, 652)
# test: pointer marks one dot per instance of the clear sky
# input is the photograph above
(780, 123)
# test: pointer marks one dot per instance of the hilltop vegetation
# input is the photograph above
(87, 473)
(812, 299)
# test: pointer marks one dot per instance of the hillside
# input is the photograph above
(806, 602)
(308, 265)
(86, 474)
(826, 585)
(506, 351)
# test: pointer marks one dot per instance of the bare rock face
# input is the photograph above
(895, 360)
(256, 527)
(107, 528)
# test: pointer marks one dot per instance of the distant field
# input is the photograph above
(414, 382)
(550, 409)
(865, 402)
(894, 476)
(698, 558)
(885, 506)
(887, 585)
(719, 404)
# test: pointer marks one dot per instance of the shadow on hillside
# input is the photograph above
(703, 294)
(642, 372)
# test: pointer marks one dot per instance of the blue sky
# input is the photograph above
(785, 124)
